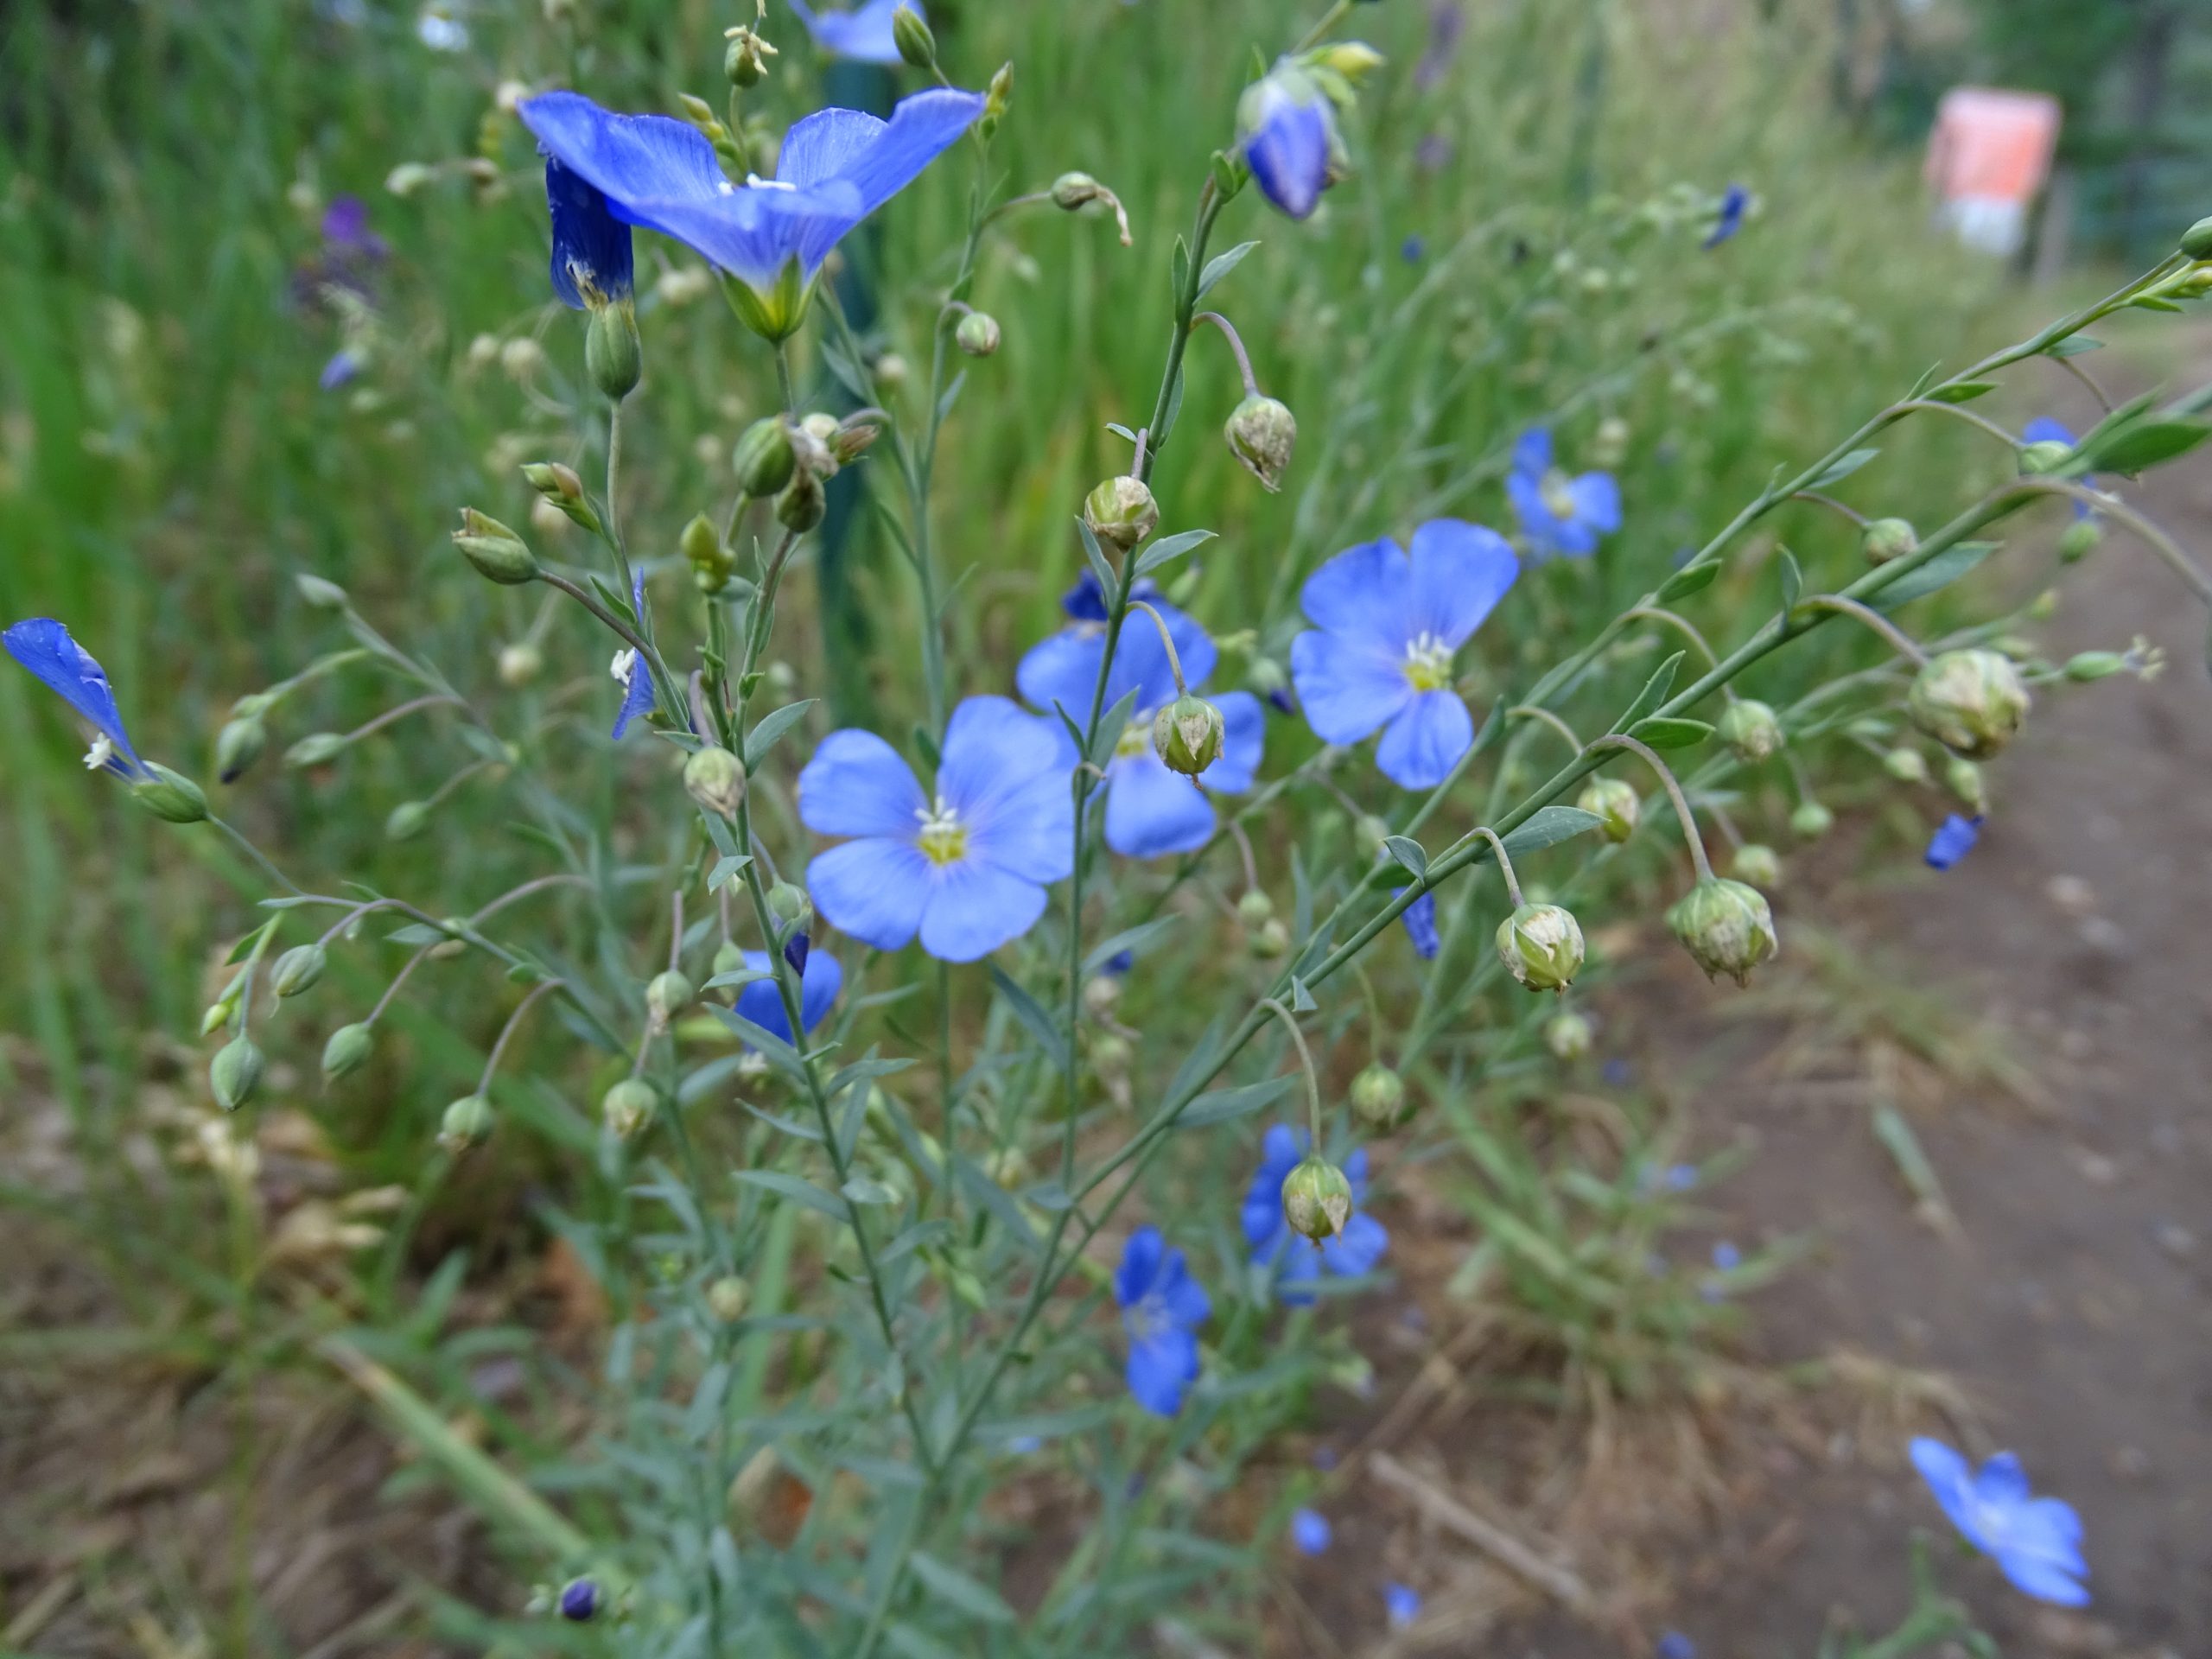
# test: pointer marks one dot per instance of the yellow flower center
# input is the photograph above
(1558, 491)
(1428, 663)
(1135, 738)
(943, 838)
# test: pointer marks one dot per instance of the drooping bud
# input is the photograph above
(579, 1600)
(1756, 863)
(235, 1073)
(614, 358)
(1072, 192)
(1811, 820)
(2088, 666)
(1616, 803)
(1315, 1198)
(407, 820)
(238, 745)
(315, 749)
(1726, 927)
(298, 970)
(1885, 539)
(977, 335)
(1187, 734)
(1541, 946)
(1255, 908)
(1906, 764)
(2045, 455)
(1751, 729)
(1971, 701)
(912, 38)
(1120, 512)
(788, 903)
(169, 796)
(1963, 778)
(1567, 1034)
(668, 994)
(1261, 433)
(1269, 939)
(496, 552)
(466, 1123)
(628, 1107)
(716, 779)
(1378, 1097)
(2079, 540)
(560, 485)
(318, 594)
(728, 1298)
(347, 1051)
(762, 459)
(802, 503)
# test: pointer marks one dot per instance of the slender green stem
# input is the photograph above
(1237, 344)
(1168, 642)
(1621, 740)
(1504, 863)
(1528, 711)
(507, 1031)
(1894, 637)
(268, 867)
(1305, 1064)
(1839, 508)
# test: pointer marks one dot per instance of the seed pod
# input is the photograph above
(802, 503)
(238, 745)
(315, 749)
(1758, 864)
(1255, 908)
(1261, 433)
(1616, 803)
(1811, 820)
(169, 796)
(1187, 735)
(977, 335)
(407, 820)
(1726, 927)
(1751, 730)
(298, 969)
(466, 1123)
(716, 779)
(1970, 700)
(235, 1073)
(728, 1297)
(1378, 1097)
(497, 552)
(1885, 539)
(1121, 513)
(1541, 946)
(667, 995)
(1567, 1034)
(763, 458)
(347, 1051)
(1905, 764)
(615, 357)
(628, 1107)
(1315, 1198)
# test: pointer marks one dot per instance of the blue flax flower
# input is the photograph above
(1731, 220)
(2035, 1541)
(1420, 918)
(836, 168)
(593, 261)
(1351, 1254)
(1162, 1307)
(43, 646)
(1954, 839)
(1150, 810)
(1560, 514)
(632, 676)
(762, 1002)
(864, 34)
(1401, 1605)
(967, 866)
(1387, 627)
(1310, 1531)
(1287, 132)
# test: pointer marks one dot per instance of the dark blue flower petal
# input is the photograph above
(1287, 127)
(592, 260)
(1731, 216)
(1953, 840)
(43, 646)
(1310, 1531)
(1420, 918)
(818, 985)
(638, 696)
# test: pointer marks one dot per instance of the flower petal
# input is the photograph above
(1353, 1253)
(1180, 1293)
(43, 646)
(2001, 1480)
(1537, 521)
(1364, 593)
(1262, 1210)
(1422, 743)
(1030, 831)
(1347, 687)
(875, 889)
(1243, 735)
(994, 749)
(1161, 1368)
(1597, 502)
(1061, 670)
(863, 35)
(1950, 1478)
(1459, 572)
(763, 1004)
(1151, 811)
(857, 785)
(1532, 452)
(2045, 1580)
(1288, 147)
(970, 908)
(1420, 919)
(875, 159)
(592, 258)
(1140, 1265)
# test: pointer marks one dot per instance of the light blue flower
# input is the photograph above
(1954, 839)
(864, 34)
(965, 867)
(1287, 132)
(1352, 1254)
(2035, 1541)
(1731, 220)
(836, 168)
(1401, 1605)
(1560, 514)
(1151, 810)
(631, 675)
(1310, 1531)
(1162, 1306)
(43, 646)
(762, 1002)
(1387, 628)
(1673, 1644)
(1420, 918)
(592, 264)
(343, 366)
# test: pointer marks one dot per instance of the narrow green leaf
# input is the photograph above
(1964, 392)
(1940, 571)
(1690, 579)
(1221, 265)
(921, 1233)
(1549, 826)
(1031, 1013)
(1409, 852)
(1841, 468)
(798, 1190)
(954, 1587)
(2144, 443)
(2073, 345)
(1793, 579)
(1170, 547)
(725, 869)
(1663, 734)
(1134, 940)
(1301, 1000)
(1111, 725)
(1221, 1105)
(770, 729)
(1096, 557)
(1654, 693)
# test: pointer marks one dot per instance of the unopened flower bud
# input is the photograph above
(1905, 764)
(1811, 820)
(2079, 540)
(762, 459)
(1073, 192)
(465, 1122)
(216, 1015)
(1541, 946)
(235, 1073)
(977, 335)
(1885, 539)
(315, 749)
(614, 358)
(716, 779)
(2044, 457)
(559, 485)
(913, 37)
(1614, 801)
(347, 1051)
(407, 820)
(1315, 1198)
(579, 1600)
(1751, 730)
(238, 745)
(1102, 994)
(1378, 1096)
(628, 1107)
(1121, 513)
(1756, 863)
(998, 98)
(1609, 445)
(318, 594)
(1567, 1034)
(2088, 666)
(169, 796)
(797, 948)
(1971, 701)
(520, 664)
(1187, 734)
(789, 904)
(1255, 908)
(854, 436)
(728, 1298)
(668, 994)
(1268, 940)
(1354, 60)
(1963, 778)
(298, 969)
(1727, 926)
(1110, 1055)
(2197, 241)
(1261, 434)
(496, 552)
(1007, 1166)
(802, 503)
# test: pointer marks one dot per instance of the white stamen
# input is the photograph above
(754, 182)
(624, 666)
(99, 754)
